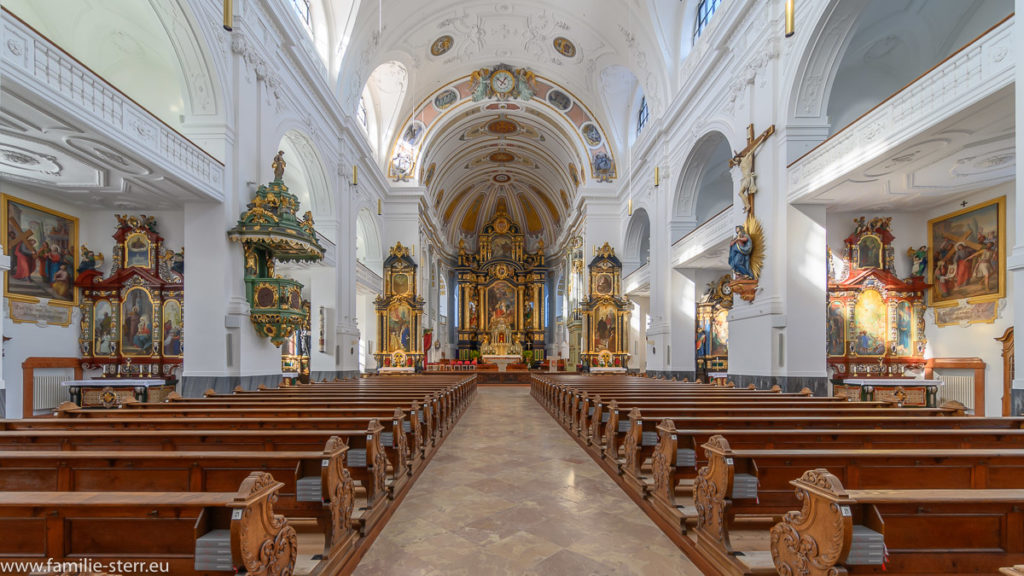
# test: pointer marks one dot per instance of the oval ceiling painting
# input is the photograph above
(445, 99)
(501, 157)
(502, 126)
(442, 45)
(565, 47)
(560, 100)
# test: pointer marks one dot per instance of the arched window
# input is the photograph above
(705, 9)
(302, 9)
(642, 115)
(361, 114)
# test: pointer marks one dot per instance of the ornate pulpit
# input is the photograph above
(875, 320)
(399, 310)
(270, 232)
(133, 320)
(606, 315)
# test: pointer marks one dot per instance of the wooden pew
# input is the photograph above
(396, 433)
(315, 484)
(641, 429)
(935, 532)
(366, 457)
(720, 496)
(591, 412)
(241, 528)
(678, 458)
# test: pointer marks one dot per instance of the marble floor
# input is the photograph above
(509, 492)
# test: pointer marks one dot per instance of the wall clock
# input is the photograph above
(502, 82)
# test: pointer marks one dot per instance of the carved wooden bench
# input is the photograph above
(366, 458)
(315, 484)
(396, 435)
(639, 432)
(193, 532)
(932, 532)
(757, 482)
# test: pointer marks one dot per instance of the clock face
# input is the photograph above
(502, 82)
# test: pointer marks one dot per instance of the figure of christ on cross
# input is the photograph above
(745, 160)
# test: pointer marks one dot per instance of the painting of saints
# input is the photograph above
(836, 329)
(399, 329)
(103, 329)
(501, 247)
(501, 300)
(137, 328)
(172, 328)
(966, 259)
(472, 314)
(869, 250)
(400, 284)
(604, 329)
(720, 333)
(903, 328)
(138, 251)
(701, 343)
(604, 284)
(40, 242)
(869, 316)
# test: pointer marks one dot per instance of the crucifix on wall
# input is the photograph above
(745, 160)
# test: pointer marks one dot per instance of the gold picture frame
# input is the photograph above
(138, 251)
(965, 249)
(38, 271)
(139, 319)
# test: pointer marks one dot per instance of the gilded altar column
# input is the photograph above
(482, 322)
(520, 304)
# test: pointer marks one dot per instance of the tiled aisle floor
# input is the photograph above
(510, 492)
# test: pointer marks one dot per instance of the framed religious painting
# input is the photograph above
(137, 323)
(105, 327)
(400, 284)
(172, 329)
(967, 254)
(604, 328)
(136, 251)
(43, 246)
(399, 326)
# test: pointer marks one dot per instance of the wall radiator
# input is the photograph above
(958, 385)
(47, 391)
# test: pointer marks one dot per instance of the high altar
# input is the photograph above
(875, 320)
(501, 292)
(398, 315)
(606, 315)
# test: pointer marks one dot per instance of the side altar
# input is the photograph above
(606, 315)
(875, 319)
(399, 310)
(501, 292)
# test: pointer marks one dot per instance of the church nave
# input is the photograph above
(510, 493)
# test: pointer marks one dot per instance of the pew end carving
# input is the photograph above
(261, 541)
(816, 538)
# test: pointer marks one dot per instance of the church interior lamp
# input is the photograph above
(270, 232)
